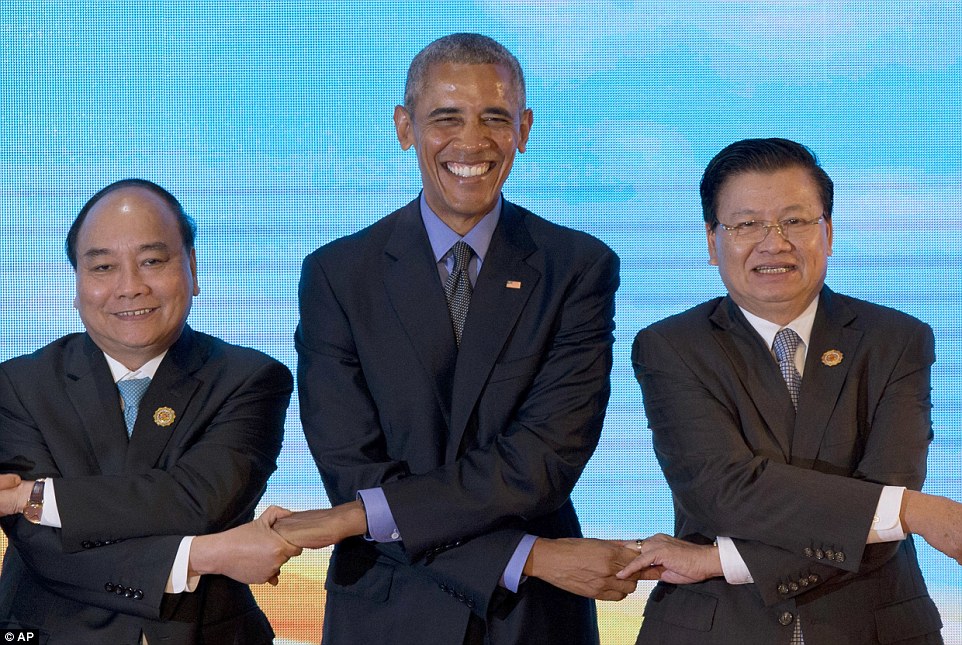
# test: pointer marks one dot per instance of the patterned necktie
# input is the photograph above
(786, 342)
(457, 288)
(132, 392)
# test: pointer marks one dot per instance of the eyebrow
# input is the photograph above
(444, 111)
(153, 246)
(748, 212)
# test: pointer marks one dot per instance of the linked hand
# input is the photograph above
(662, 557)
(937, 519)
(251, 553)
(323, 527)
(585, 567)
(11, 497)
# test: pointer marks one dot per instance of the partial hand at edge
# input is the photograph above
(937, 519)
(662, 557)
(251, 553)
(12, 489)
(323, 527)
(583, 566)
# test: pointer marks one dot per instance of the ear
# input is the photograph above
(193, 271)
(712, 252)
(527, 120)
(404, 126)
(828, 227)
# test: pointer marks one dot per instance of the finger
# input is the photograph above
(273, 581)
(638, 564)
(273, 513)
(9, 480)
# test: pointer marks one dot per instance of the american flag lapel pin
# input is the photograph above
(513, 284)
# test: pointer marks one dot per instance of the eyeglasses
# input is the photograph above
(790, 228)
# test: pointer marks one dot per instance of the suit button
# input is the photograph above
(840, 557)
(443, 586)
(119, 590)
(470, 603)
(803, 582)
(86, 544)
(128, 592)
(786, 618)
(783, 589)
(813, 578)
(819, 554)
(829, 554)
(793, 586)
(138, 595)
(98, 543)
(109, 588)
(808, 552)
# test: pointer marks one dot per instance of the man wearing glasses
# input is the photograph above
(792, 424)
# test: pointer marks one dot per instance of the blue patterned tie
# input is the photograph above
(786, 342)
(457, 288)
(132, 392)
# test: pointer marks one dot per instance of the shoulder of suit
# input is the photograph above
(219, 349)
(546, 233)
(49, 355)
(370, 239)
(689, 320)
(872, 316)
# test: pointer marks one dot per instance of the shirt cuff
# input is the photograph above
(381, 526)
(886, 525)
(50, 515)
(179, 581)
(513, 574)
(733, 566)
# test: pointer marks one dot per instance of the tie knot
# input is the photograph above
(133, 391)
(462, 255)
(786, 342)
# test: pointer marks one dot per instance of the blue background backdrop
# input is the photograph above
(272, 122)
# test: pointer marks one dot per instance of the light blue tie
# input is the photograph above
(132, 392)
(786, 342)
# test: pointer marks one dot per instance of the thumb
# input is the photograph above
(273, 513)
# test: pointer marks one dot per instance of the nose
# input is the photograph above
(131, 283)
(474, 135)
(774, 240)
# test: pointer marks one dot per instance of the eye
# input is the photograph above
(793, 222)
(750, 225)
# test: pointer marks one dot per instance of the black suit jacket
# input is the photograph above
(125, 505)
(472, 447)
(797, 491)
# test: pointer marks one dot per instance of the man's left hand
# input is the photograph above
(12, 490)
(677, 561)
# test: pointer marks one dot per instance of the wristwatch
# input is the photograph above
(34, 508)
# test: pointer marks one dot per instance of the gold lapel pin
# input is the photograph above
(164, 416)
(513, 284)
(832, 357)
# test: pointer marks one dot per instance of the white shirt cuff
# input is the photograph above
(179, 581)
(886, 525)
(50, 515)
(733, 566)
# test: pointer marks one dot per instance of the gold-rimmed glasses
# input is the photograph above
(754, 231)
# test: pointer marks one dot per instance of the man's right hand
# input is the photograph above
(12, 499)
(586, 567)
(937, 519)
(251, 553)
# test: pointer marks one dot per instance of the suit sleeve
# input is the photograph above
(530, 467)
(212, 482)
(779, 513)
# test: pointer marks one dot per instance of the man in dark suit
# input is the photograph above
(453, 373)
(100, 548)
(792, 424)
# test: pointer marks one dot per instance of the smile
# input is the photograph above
(468, 170)
(773, 270)
(131, 314)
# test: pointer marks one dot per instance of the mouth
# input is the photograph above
(466, 171)
(767, 269)
(134, 313)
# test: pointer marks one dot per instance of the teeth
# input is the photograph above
(139, 312)
(773, 269)
(466, 170)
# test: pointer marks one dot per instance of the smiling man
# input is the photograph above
(133, 437)
(453, 374)
(792, 424)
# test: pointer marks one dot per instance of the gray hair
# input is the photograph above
(461, 49)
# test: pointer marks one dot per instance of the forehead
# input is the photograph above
(127, 215)
(475, 84)
(786, 188)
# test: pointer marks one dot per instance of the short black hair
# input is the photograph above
(760, 155)
(461, 49)
(188, 229)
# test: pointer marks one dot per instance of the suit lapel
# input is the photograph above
(757, 371)
(165, 401)
(95, 399)
(414, 288)
(494, 311)
(821, 383)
